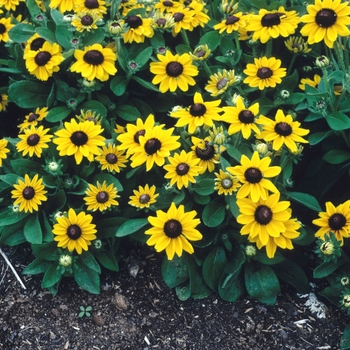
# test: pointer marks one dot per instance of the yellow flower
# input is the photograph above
(312, 82)
(173, 71)
(33, 141)
(62, 5)
(95, 62)
(45, 61)
(80, 140)
(225, 183)
(10, 5)
(265, 72)
(326, 20)
(3, 150)
(98, 6)
(334, 219)
(5, 26)
(85, 21)
(29, 193)
(144, 197)
(232, 23)
(173, 230)
(138, 29)
(184, 19)
(33, 118)
(297, 45)
(253, 174)
(111, 158)
(3, 102)
(200, 53)
(74, 232)
(100, 197)
(282, 131)
(219, 82)
(198, 114)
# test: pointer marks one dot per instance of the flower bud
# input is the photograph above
(346, 300)
(250, 250)
(65, 260)
(345, 281)
(262, 148)
(284, 94)
(97, 244)
(327, 248)
(322, 61)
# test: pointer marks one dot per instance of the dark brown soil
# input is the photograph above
(142, 313)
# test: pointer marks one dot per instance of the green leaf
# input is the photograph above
(306, 199)
(28, 94)
(212, 39)
(328, 267)
(10, 179)
(183, 292)
(306, 237)
(345, 339)
(47, 251)
(107, 228)
(336, 156)
(131, 226)
(57, 16)
(146, 84)
(21, 32)
(87, 279)
(12, 235)
(94, 37)
(57, 114)
(107, 260)
(317, 137)
(214, 213)
(110, 179)
(24, 166)
(332, 294)
(232, 203)
(143, 57)
(338, 121)
(175, 271)
(46, 34)
(261, 283)
(52, 276)
(36, 267)
(128, 113)
(32, 230)
(234, 153)
(8, 217)
(64, 36)
(199, 289)
(230, 288)
(213, 267)
(118, 85)
(264, 259)
(89, 261)
(204, 187)
(94, 106)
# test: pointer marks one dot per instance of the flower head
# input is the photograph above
(33, 118)
(98, 6)
(62, 5)
(200, 53)
(225, 183)
(3, 102)
(111, 158)
(172, 231)
(312, 82)
(143, 197)
(29, 193)
(85, 21)
(233, 22)
(100, 197)
(3, 150)
(297, 45)
(74, 231)
(5, 26)
(138, 29)
(220, 82)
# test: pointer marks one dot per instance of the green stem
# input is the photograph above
(268, 49)
(339, 53)
(330, 93)
(185, 38)
(207, 68)
(291, 64)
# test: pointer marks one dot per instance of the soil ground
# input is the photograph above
(143, 313)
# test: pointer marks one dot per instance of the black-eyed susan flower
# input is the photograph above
(232, 23)
(335, 219)
(101, 197)
(162, 21)
(10, 5)
(253, 174)
(45, 61)
(85, 21)
(241, 118)
(95, 62)
(200, 53)
(272, 24)
(143, 197)
(29, 194)
(198, 114)
(111, 158)
(183, 20)
(3, 150)
(297, 45)
(200, 18)
(282, 131)
(129, 140)
(311, 82)
(80, 140)
(34, 43)
(33, 141)
(5, 26)
(167, 6)
(225, 183)
(138, 29)
(173, 71)
(62, 5)
(3, 102)
(89, 115)
(172, 231)
(325, 21)
(264, 72)
(155, 146)
(33, 118)
(98, 6)
(74, 231)
(182, 170)
(265, 222)
(219, 82)
(207, 153)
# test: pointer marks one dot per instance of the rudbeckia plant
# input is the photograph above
(213, 132)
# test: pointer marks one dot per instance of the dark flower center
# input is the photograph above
(326, 18)
(200, 53)
(134, 21)
(144, 198)
(2, 28)
(283, 129)
(272, 19)
(94, 57)
(111, 158)
(161, 22)
(74, 232)
(87, 20)
(264, 73)
(253, 175)
(263, 215)
(198, 109)
(138, 134)
(42, 58)
(102, 197)
(152, 146)
(206, 153)
(182, 169)
(91, 4)
(231, 20)
(178, 16)
(173, 228)
(168, 3)
(28, 193)
(226, 183)
(222, 83)
(246, 116)
(37, 44)
(32, 117)
(336, 222)
(79, 138)
(33, 140)
(174, 69)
